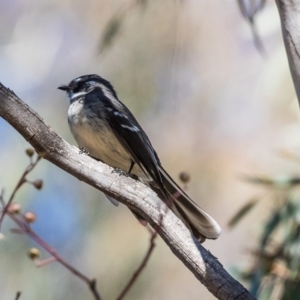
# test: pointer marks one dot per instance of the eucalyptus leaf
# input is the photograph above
(291, 290)
(242, 212)
(111, 31)
(271, 225)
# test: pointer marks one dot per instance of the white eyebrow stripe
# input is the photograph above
(104, 89)
(72, 96)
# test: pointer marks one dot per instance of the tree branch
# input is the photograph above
(289, 11)
(21, 220)
(26, 229)
(140, 268)
(132, 193)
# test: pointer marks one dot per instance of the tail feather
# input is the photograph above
(200, 223)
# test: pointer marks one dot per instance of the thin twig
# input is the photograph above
(2, 198)
(143, 264)
(24, 228)
(21, 181)
(40, 263)
(249, 10)
(152, 245)
(146, 258)
(18, 295)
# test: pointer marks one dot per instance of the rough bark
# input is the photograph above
(289, 11)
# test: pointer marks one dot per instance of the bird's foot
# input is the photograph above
(120, 172)
(83, 151)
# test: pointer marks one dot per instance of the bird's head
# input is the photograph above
(83, 85)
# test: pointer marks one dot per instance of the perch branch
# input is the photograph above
(133, 194)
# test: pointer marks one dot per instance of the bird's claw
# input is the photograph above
(120, 172)
(82, 150)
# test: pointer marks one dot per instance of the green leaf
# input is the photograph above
(271, 225)
(291, 290)
(111, 31)
(278, 181)
(242, 212)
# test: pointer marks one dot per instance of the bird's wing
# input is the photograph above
(136, 143)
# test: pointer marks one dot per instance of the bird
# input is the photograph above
(106, 129)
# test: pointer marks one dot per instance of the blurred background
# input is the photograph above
(212, 103)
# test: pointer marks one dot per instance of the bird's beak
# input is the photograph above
(64, 88)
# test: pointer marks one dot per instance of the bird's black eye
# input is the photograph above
(79, 86)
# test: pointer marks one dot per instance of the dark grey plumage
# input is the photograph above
(108, 131)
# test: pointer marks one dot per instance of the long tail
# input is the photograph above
(201, 224)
